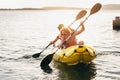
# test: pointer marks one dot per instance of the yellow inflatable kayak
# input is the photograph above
(75, 54)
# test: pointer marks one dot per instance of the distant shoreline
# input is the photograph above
(46, 8)
(104, 7)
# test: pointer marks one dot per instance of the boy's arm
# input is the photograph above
(52, 42)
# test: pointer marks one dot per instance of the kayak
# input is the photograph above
(75, 54)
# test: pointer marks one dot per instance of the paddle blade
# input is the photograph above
(95, 8)
(46, 61)
(81, 14)
(36, 55)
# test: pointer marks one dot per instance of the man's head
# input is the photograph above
(60, 26)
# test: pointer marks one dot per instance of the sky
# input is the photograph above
(44, 3)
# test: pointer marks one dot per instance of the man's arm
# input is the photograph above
(80, 30)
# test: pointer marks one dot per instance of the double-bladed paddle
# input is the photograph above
(46, 61)
(79, 16)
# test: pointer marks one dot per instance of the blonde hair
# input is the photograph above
(66, 30)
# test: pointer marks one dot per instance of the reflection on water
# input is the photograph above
(78, 72)
(46, 69)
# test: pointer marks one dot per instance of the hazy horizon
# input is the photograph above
(106, 7)
(44, 3)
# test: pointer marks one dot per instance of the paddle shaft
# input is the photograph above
(45, 48)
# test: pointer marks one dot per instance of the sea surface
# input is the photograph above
(26, 32)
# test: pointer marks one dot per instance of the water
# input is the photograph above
(24, 33)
